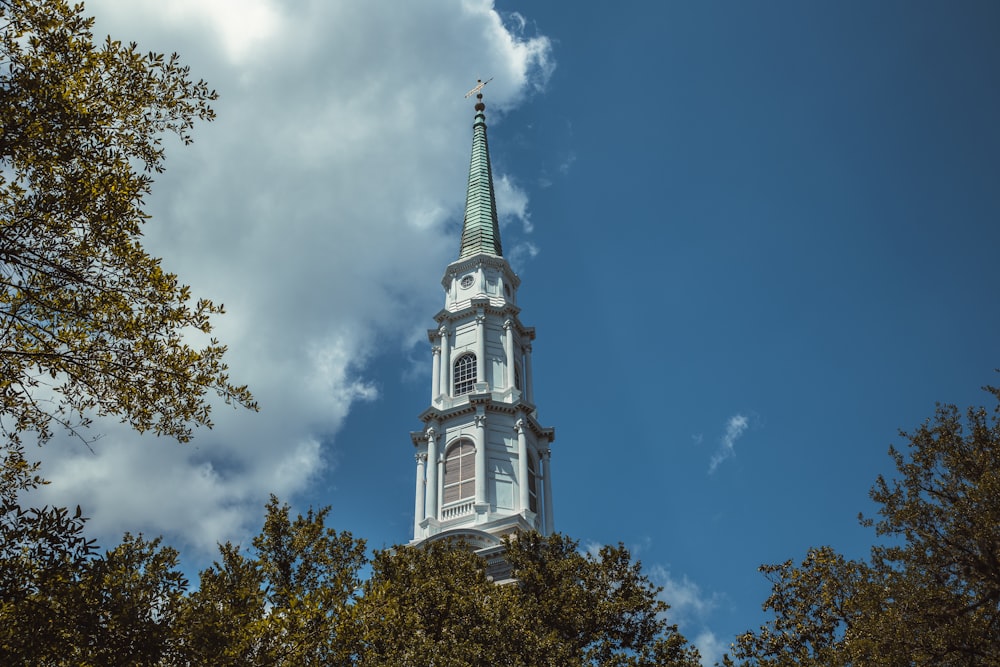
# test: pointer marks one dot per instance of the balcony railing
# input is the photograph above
(460, 508)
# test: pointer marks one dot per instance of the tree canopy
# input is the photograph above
(297, 596)
(433, 604)
(930, 593)
(90, 322)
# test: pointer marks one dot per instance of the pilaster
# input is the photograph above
(524, 500)
(418, 505)
(435, 373)
(434, 463)
(508, 350)
(480, 346)
(445, 376)
(480, 421)
(529, 385)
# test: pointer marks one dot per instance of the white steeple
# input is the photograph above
(482, 458)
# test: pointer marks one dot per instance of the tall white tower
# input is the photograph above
(483, 460)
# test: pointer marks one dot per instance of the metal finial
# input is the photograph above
(479, 86)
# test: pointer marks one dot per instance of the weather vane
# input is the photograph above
(479, 86)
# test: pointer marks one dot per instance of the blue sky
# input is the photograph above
(776, 214)
(755, 239)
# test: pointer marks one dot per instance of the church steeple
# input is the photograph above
(483, 459)
(480, 230)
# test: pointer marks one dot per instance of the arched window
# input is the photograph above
(532, 485)
(465, 374)
(459, 472)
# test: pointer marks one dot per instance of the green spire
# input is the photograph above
(480, 230)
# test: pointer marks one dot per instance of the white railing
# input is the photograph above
(460, 509)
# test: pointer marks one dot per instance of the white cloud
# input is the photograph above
(321, 208)
(512, 202)
(521, 253)
(240, 29)
(687, 602)
(520, 22)
(735, 428)
(710, 647)
(243, 26)
(690, 609)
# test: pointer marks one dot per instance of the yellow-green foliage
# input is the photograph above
(90, 323)
(930, 595)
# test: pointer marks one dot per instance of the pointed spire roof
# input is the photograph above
(480, 230)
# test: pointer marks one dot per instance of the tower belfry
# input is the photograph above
(483, 460)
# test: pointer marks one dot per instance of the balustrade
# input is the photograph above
(459, 509)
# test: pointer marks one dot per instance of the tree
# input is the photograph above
(90, 323)
(941, 564)
(130, 601)
(596, 610)
(311, 575)
(61, 603)
(286, 602)
(434, 605)
(816, 605)
(928, 595)
(224, 622)
(296, 597)
(42, 552)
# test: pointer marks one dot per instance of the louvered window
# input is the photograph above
(460, 472)
(465, 374)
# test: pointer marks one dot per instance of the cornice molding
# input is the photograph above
(508, 311)
(484, 404)
(481, 260)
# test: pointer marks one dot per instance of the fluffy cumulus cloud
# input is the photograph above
(318, 208)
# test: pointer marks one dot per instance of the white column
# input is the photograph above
(480, 459)
(522, 466)
(445, 362)
(529, 389)
(418, 500)
(435, 372)
(508, 350)
(440, 487)
(431, 507)
(480, 347)
(547, 482)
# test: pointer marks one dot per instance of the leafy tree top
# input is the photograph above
(90, 323)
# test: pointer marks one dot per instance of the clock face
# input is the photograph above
(466, 282)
